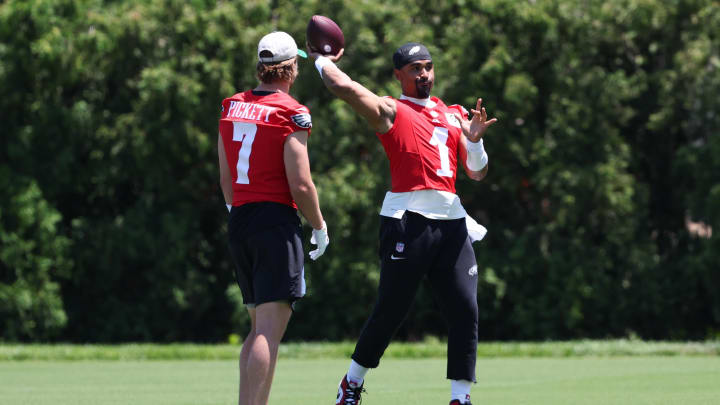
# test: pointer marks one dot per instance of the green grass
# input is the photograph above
(587, 380)
(431, 348)
(579, 372)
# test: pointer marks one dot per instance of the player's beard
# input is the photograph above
(423, 88)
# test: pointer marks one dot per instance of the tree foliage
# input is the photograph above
(604, 176)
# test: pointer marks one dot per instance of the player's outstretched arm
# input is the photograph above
(378, 111)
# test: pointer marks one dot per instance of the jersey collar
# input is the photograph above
(425, 102)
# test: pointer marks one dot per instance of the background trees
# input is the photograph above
(606, 157)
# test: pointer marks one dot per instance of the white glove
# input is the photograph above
(229, 207)
(320, 238)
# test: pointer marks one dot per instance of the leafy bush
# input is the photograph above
(602, 167)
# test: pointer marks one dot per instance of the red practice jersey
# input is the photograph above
(253, 130)
(423, 145)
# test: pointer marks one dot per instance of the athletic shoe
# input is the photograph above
(349, 393)
(457, 402)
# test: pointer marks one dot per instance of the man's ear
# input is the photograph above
(397, 73)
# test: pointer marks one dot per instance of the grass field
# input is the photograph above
(601, 376)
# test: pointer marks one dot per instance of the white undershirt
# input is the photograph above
(432, 204)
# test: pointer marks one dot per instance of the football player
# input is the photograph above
(265, 179)
(425, 231)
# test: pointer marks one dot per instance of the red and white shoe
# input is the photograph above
(457, 401)
(349, 393)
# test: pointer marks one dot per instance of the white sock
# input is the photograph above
(356, 373)
(460, 389)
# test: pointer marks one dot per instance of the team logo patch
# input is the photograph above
(399, 247)
(302, 120)
(414, 50)
(473, 271)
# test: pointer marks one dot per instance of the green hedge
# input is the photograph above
(603, 167)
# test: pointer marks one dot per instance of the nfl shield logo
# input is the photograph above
(399, 247)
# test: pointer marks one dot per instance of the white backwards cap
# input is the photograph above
(278, 46)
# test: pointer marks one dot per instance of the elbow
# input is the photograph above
(301, 188)
(476, 176)
(479, 175)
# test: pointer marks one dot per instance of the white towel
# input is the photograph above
(476, 231)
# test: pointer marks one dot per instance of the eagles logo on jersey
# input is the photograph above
(302, 120)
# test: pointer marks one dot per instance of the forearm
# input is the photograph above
(477, 175)
(305, 196)
(476, 159)
(337, 81)
(378, 111)
(226, 186)
(224, 169)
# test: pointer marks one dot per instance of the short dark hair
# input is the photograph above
(273, 72)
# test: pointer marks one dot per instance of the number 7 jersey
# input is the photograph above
(422, 145)
(253, 128)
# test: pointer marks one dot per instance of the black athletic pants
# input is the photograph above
(411, 248)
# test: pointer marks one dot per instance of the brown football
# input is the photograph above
(324, 35)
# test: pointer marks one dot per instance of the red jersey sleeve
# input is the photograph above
(299, 118)
(460, 110)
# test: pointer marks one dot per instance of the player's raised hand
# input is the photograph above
(314, 54)
(478, 124)
(324, 37)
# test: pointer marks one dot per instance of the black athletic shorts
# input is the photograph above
(265, 241)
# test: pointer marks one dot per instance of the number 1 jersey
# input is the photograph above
(253, 128)
(422, 145)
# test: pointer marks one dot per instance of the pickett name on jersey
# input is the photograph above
(249, 111)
